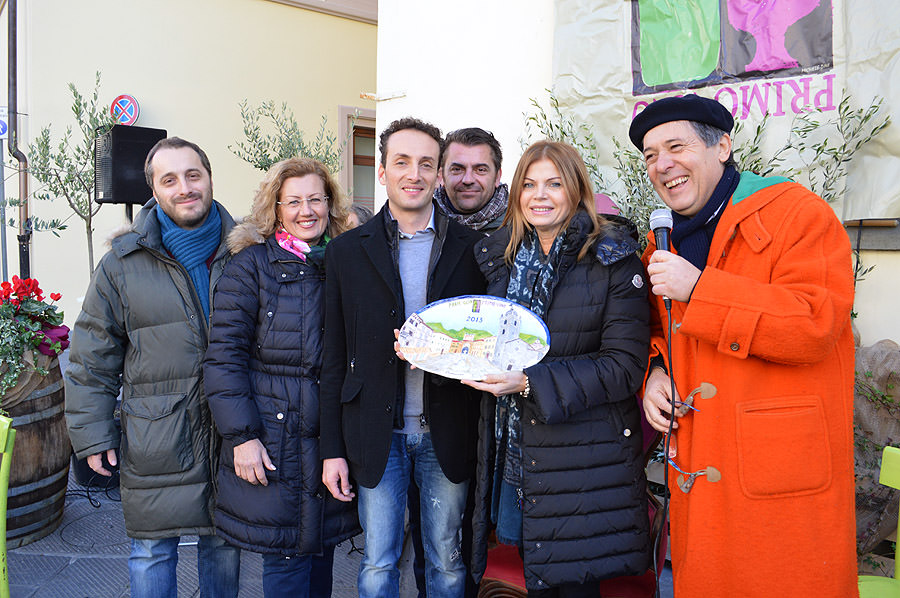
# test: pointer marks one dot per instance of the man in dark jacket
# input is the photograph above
(144, 326)
(470, 191)
(381, 421)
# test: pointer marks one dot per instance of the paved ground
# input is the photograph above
(87, 557)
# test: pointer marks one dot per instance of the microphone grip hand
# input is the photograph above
(672, 276)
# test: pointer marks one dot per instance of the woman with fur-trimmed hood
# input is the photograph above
(261, 377)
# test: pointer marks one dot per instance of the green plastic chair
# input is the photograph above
(7, 438)
(873, 586)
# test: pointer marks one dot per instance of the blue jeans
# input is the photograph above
(300, 576)
(152, 563)
(381, 514)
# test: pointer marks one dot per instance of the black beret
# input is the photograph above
(689, 107)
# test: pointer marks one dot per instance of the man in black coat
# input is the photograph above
(381, 421)
(469, 191)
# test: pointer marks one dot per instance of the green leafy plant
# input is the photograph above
(818, 150)
(28, 326)
(271, 134)
(552, 124)
(38, 224)
(749, 155)
(635, 195)
(877, 563)
(865, 388)
(632, 192)
(826, 146)
(66, 169)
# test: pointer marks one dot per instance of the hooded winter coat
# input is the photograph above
(262, 382)
(142, 328)
(584, 507)
(764, 350)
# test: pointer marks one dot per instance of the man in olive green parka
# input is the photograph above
(144, 327)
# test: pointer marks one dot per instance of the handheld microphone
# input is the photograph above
(661, 225)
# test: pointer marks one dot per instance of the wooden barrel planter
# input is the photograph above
(39, 471)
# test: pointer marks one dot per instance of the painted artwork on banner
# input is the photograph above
(472, 336)
(697, 43)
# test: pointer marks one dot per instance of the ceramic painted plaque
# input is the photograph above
(472, 336)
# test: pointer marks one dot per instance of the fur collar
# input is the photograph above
(242, 236)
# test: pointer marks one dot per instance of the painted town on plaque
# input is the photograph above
(474, 336)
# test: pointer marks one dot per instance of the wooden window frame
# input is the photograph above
(346, 115)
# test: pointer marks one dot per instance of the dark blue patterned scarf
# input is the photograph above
(531, 284)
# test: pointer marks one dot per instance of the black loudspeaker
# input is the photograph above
(119, 158)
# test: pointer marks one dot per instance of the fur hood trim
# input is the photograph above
(243, 236)
(117, 232)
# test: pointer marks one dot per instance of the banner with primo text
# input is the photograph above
(779, 58)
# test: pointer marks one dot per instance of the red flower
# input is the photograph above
(26, 288)
(29, 324)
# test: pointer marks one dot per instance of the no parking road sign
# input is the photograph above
(125, 109)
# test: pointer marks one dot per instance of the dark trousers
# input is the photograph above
(298, 576)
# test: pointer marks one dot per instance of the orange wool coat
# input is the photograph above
(767, 332)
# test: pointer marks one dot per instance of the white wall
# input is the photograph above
(477, 63)
(876, 298)
(189, 64)
(467, 63)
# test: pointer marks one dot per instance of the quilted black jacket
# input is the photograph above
(584, 509)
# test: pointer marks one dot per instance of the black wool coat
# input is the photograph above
(262, 381)
(584, 508)
(362, 390)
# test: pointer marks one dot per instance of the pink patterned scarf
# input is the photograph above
(291, 243)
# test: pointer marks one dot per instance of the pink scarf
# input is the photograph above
(291, 243)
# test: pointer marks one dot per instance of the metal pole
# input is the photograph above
(5, 272)
(24, 235)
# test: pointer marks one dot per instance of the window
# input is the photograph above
(358, 172)
(364, 166)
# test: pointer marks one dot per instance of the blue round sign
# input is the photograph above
(125, 109)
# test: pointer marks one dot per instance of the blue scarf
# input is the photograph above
(693, 236)
(531, 284)
(191, 249)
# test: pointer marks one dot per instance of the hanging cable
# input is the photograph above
(665, 504)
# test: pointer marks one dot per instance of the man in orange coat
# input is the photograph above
(761, 289)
